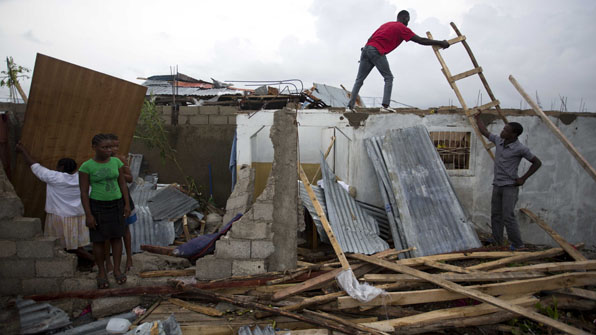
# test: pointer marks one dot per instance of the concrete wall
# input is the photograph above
(561, 192)
(203, 136)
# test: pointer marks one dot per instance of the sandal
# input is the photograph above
(102, 283)
(120, 279)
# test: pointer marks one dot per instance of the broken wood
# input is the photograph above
(288, 277)
(443, 294)
(185, 227)
(362, 328)
(168, 273)
(518, 258)
(195, 308)
(314, 177)
(447, 267)
(551, 267)
(570, 249)
(455, 277)
(157, 249)
(576, 154)
(147, 313)
(326, 278)
(438, 316)
(323, 218)
(471, 321)
(578, 292)
(219, 297)
(475, 294)
(459, 256)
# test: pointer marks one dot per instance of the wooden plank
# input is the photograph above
(455, 277)
(576, 154)
(185, 228)
(325, 278)
(465, 74)
(512, 287)
(574, 253)
(459, 256)
(475, 294)
(67, 106)
(323, 218)
(447, 267)
(579, 292)
(362, 328)
(195, 308)
(314, 177)
(448, 313)
(552, 267)
(168, 273)
(518, 258)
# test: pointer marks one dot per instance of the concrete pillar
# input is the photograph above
(284, 136)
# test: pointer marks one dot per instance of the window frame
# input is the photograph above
(470, 171)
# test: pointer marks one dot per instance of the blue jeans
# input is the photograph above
(502, 215)
(369, 58)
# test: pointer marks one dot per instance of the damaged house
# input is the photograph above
(318, 203)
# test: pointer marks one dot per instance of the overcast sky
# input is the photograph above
(547, 45)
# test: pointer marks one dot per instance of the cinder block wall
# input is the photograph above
(200, 115)
(29, 262)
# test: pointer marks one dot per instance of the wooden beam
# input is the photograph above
(362, 328)
(314, 178)
(447, 267)
(576, 154)
(168, 273)
(247, 304)
(195, 308)
(474, 294)
(579, 292)
(459, 256)
(518, 258)
(552, 267)
(574, 253)
(323, 218)
(455, 277)
(448, 313)
(509, 288)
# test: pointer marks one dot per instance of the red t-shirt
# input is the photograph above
(389, 36)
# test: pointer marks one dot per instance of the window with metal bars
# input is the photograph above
(453, 148)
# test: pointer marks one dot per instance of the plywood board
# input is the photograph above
(68, 104)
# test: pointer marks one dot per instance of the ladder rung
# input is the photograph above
(472, 112)
(456, 40)
(488, 105)
(466, 74)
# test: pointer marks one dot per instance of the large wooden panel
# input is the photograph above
(68, 104)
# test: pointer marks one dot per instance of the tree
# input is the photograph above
(10, 78)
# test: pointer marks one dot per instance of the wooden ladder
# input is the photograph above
(470, 112)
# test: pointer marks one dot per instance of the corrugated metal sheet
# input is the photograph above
(146, 230)
(374, 150)
(432, 217)
(311, 209)
(381, 216)
(355, 230)
(170, 204)
(192, 91)
(38, 318)
(331, 96)
(135, 161)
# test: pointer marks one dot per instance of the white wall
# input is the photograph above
(561, 192)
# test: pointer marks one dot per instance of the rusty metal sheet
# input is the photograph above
(68, 104)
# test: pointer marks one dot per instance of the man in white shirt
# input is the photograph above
(65, 217)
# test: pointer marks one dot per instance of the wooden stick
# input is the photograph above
(311, 194)
(459, 256)
(219, 297)
(168, 273)
(147, 313)
(578, 292)
(365, 329)
(578, 156)
(555, 236)
(447, 267)
(441, 294)
(196, 308)
(552, 267)
(288, 277)
(314, 178)
(455, 277)
(518, 258)
(157, 249)
(474, 294)
(185, 228)
(441, 315)
(474, 321)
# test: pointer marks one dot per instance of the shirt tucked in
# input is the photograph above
(63, 196)
(507, 159)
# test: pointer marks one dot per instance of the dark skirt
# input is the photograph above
(109, 220)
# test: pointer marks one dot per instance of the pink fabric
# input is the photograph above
(389, 36)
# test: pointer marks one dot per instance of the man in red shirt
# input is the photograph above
(382, 42)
